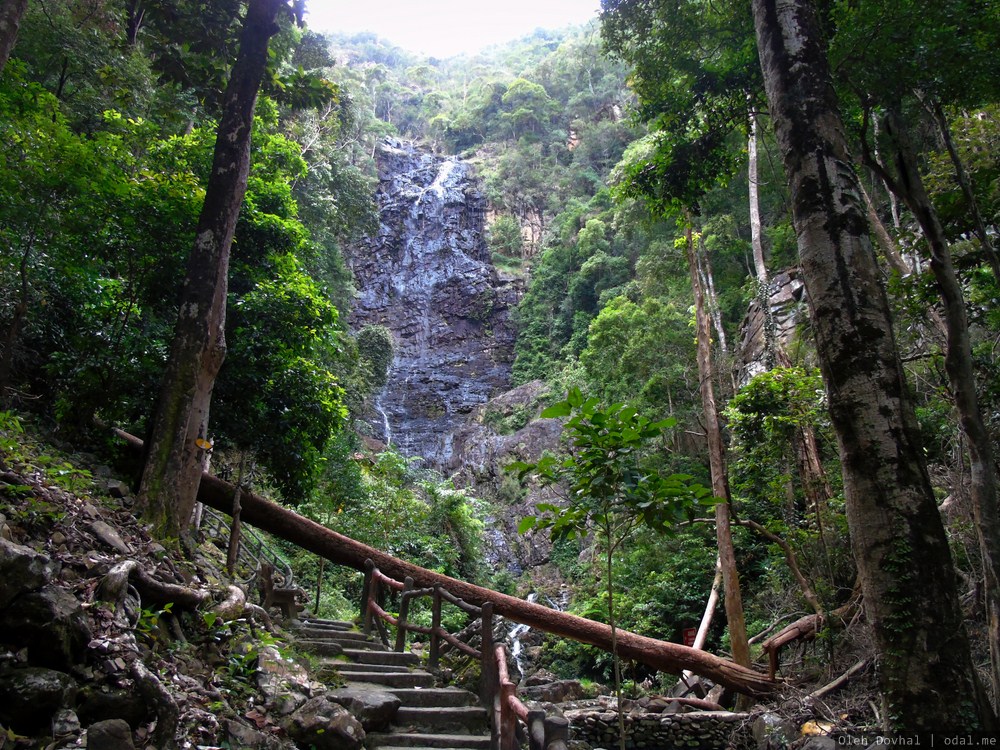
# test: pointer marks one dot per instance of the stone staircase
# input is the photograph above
(428, 716)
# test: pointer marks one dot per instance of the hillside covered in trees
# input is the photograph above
(753, 250)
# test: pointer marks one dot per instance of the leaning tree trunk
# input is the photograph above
(342, 550)
(909, 185)
(717, 462)
(178, 435)
(11, 13)
(927, 676)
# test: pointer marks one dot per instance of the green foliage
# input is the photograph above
(375, 349)
(507, 421)
(148, 623)
(96, 226)
(775, 403)
(640, 352)
(606, 473)
(766, 417)
(504, 237)
(697, 76)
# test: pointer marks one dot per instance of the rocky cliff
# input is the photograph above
(426, 275)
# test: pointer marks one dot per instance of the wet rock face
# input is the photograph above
(427, 276)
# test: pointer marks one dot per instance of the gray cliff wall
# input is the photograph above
(426, 275)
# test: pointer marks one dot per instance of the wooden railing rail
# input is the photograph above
(544, 732)
(496, 690)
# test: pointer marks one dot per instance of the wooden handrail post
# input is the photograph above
(508, 720)
(435, 627)
(556, 732)
(489, 674)
(367, 595)
(404, 608)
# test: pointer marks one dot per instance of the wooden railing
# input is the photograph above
(374, 616)
(496, 690)
(544, 732)
(253, 549)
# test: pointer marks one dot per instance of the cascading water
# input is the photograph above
(516, 638)
(426, 275)
(518, 633)
(386, 428)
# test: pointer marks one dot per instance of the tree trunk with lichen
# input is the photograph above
(927, 677)
(178, 434)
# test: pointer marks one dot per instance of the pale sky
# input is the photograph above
(442, 28)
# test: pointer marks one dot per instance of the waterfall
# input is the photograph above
(426, 275)
(386, 429)
(516, 636)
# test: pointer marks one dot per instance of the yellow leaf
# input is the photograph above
(814, 728)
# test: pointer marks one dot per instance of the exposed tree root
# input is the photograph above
(154, 694)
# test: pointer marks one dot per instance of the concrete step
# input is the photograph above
(391, 679)
(333, 634)
(442, 719)
(311, 622)
(395, 740)
(321, 647)
(346, 667)
(433, 697)
(369, 656)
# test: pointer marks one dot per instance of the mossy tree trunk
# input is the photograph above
(927, 677)
(178, 433)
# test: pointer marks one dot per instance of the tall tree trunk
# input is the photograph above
(756, 235)
(889, 247)
(708, 287)
(178, 434)
(11, 13)
(908, 184)
(927, 676)
(717, 462)
(609, 559)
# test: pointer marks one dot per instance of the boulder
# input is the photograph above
(111, 734)
(559, 691)
(320, 724)
(248, 738)
(375, 709)
(65, 723)
(96, 705)
(31, 696)
(51, 623)
(285, 684)
(22, 570)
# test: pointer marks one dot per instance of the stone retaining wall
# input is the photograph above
(702, 730)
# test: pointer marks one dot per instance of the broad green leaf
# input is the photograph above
(560, 409)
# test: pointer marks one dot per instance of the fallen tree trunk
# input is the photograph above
(806, 628)
(339, 549)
